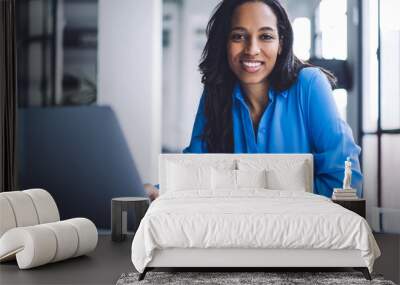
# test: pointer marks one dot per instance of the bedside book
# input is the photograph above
(344, 198)
(340, 190)
(344, 194)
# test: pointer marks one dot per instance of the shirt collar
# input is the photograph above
(272, 93)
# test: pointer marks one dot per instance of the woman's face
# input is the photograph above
(253, 42)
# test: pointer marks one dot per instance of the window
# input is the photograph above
(331, 43)
(302, 38)
(390, 64)
(370, 59)
(340, 96)
(333, 29)
(57, 52)
(381, 112)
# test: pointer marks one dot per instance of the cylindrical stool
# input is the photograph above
(119, 215)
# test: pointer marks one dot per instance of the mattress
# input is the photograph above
(250, 219)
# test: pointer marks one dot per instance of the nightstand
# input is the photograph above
(355, 205)
(119, 215)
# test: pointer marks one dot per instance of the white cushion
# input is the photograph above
(223, 179)
(26, 208)
(279, 162)
(45, 205)
(40, 244)
(67, 239)
(7, 218)
(23, 208)
(237, 179)
(281, 174)
(251, 179)
(188, 177)
(87, 233)
(291, 179)
(189, 171)
(32, 246)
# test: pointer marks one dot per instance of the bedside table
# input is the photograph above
(355, 205)
(119, 215)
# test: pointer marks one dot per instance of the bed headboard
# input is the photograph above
(269, 159)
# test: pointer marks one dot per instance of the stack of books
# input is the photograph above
(344, 194)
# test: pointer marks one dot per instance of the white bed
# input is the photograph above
(202, 220)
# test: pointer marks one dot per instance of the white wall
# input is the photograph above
(129, 75)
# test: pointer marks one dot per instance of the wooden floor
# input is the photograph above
(389, 262)
(110, 259)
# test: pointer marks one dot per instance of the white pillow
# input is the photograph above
(282, 174)
(251, 178)
(223, 179)
(191, 172)
(236, 179)
(293, 179)
(187, 177)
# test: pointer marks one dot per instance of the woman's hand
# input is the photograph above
(151, 191)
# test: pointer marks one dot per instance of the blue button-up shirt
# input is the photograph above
(301, 119)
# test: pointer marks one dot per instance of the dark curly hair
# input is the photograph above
(219, 80)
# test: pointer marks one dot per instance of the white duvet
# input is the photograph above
(251, 218)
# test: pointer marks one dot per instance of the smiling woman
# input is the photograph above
(260, 98)
(253, 48)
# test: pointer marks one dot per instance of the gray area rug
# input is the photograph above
(228, 278)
